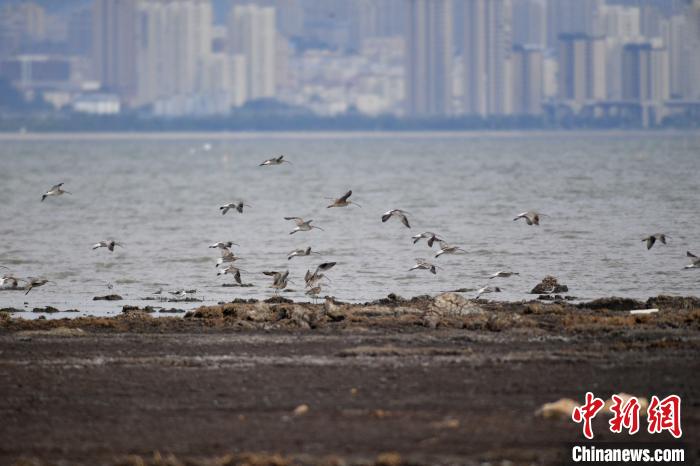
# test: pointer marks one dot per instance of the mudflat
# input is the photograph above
(426, 381)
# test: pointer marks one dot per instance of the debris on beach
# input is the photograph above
(301, 410)
(46, 310)
(549, 285)
(54, 332)
(613, 304)
(109, 297)
(643, 311)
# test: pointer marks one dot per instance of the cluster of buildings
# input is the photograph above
(415, 58)
(573, 57)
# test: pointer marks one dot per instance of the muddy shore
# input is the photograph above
(422, 381)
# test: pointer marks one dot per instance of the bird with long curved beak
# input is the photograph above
(35, 283)
(301, 253)
(343, 201)
(56, 190)
(652, 239)
(109, 244)
(486, 290)
(429, 235)
(238, 206)
(223, 244)
(398, 213)
(694, 261)
(531, 217)
(448, 249)
(422, 264)
(302, 225)
(275, 161)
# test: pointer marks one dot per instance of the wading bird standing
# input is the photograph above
(343, 201)
(301, 252)
(398, 213)
(430, 236)
(422, 264)
(233, 205)
(109, 244)
(531, 217)
(274, 161)
(314, 292)
(55, 190)
(651, 239)
(694, 261)
(302, 225)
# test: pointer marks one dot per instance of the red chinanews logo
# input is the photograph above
(662, 415)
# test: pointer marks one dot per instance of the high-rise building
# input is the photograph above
(645, 72)
(20, 25)
(173, 46)
(573, 17)
(530, 22)
(486, 50)
(527, 80)
(429, 57)
(683, 43)
(581, 68)
(621, 25)
(80, 32)
(114, 46)
(252, 33)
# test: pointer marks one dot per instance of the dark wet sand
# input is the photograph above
(437, 384)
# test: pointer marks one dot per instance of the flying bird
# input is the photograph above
(694, 261)
(301, 252)
(502, 274)
(651, 239)
(531, 217)
(223, 245)
(448, 249)
(317, 275)
(279, 279)
(35, 283)
(325, 267)
(343, 201)
(10, 280)
(233, 270)
(486, 290)
(312, 278)
(226, 256)
(109, 244)
(422, 264)
(233, 205)
(302, 225)
(398, 213)
(275, 161)
(55, 190)
(430, 236)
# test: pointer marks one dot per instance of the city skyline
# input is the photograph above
(406, 58)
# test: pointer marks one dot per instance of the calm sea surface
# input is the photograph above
(161, 196)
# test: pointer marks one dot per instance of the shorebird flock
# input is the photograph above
(314, 282)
